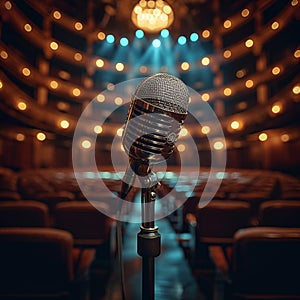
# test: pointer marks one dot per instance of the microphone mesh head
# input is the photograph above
(164, 91)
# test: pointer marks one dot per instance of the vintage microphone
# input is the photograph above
(156, 114)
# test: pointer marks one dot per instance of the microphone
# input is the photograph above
(154, 120)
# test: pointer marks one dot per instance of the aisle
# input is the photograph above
(173, 278)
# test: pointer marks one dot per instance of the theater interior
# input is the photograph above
(225, 201)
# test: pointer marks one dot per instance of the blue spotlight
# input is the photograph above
(139, 34)
(194, 37)
(110, 38)
(164, 33)
(124, 41)
(181, 40)
(156, 43)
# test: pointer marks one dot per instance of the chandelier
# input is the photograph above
(152, 16)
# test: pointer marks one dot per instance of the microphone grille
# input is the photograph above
(164, 91)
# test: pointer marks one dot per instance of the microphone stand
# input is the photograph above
(148, 239)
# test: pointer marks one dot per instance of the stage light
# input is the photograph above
(98, 129)
(164, 33)
(118, 100)
(181, 147)
(296, 89)
(41, 136)
(185, 66)
(205, 61)
(276, 108)
(99, 63)
(20, 137)
(120, 132)
(205, 97)
(119, 67)
(275, 25)
(152, 16)
(249, 43)
(100, 98)
(227, 53)
(22, 105)
(54, 46)
(227, 24)
(26, 72)
(64, 124)
(227, 91)
(4, 54)
(285, 137)
(263, 137)
(194, 37)
(78, 56)
(124, 41)
(296, 53)
(249, 83)
(294, 2)
(181, 40)
(78, 26)
(275, 70)
(8, 5)
(205, 129)
(218, 145)
(53, 84)
(27, 27)
(56, 15)
(101, 36)
(76, 92)
(110, 38)
(235, 125)
(156, 43)
(245, 13)
(206, 33)
(86, 144)
(139, 34)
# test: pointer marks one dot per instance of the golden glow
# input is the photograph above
(152, 16)
(101, 36)
(78, 56)
(297, 53)
(56, 15)
(240, 73)
(54, 46)
(78, 26)
(1, 84)
(235, 125)
(86, 144)
(263, 137)
(98, 129)
(100, 98)
(205, 61)
(118, 100)
(20, 137)
(285, 137)
(218, 145)
(143, 69)
(249, 43)
(185, 66)
(227, 91)
(206, 33)
(26, 72)
(54, 84)
(8, 5)
(249, 83)
(294, 2)
(227, 53)
(41, 136)
(275, 70)
(4, 54)
(120, 131)
(245, 13)
(205, 129)
(276, 108)
(205, 97)
(183, 132)
(275, 25)
(227, 24)
(296, 89)
(181, 147)
(64, 124)
(122, 148)
(76, 92)
(22, 105)
(99, 63)
(119, 67)
(27, 27)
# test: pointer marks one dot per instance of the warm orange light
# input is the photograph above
(275, 25)
(53, 84)
(78, 56)
(205, 97)
(54, 46)
(263, 137)
(26, 72)
(185, 66)
(249, 83)
(297, 53)
(27, 27)
(98, 129)
(235, 125)
(240, 73)
(227, 24)
(219, 145)
(41, 136)
(285, 137)
(4, 54)
(205, 61)
(64, 124)
(181, 147)
(86, 144)
(76, 92)
(296, 89)
(118, 100)
(99, 63)
(206, 33)
(276, 108)
(56, 15)
(227, 53)
(100, 98)
(119, 67)
(227, 91)
(101, 35)
(249, 43)
(20, 137)
(1, 84)
(275, 70)
(205, 129)
(22, 105)
(8, 5)
(78, 26)
(294, 2)
(245, 13)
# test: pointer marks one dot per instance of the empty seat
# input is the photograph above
(36, 263)
(281, 213)
(266, 263)
(23, 214)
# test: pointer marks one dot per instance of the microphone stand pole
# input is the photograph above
(148, 239)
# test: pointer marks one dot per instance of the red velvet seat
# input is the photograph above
(36, 263)
(266, 263)
(23, 214)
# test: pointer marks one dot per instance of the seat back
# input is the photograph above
(35, 261)
(266, 263)
(281, 213)
(88, 226)
(220, 219)
(23, 214)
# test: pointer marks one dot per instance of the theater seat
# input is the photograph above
(281, 213)
(36, 263)
(23, 214)
(266, 263)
